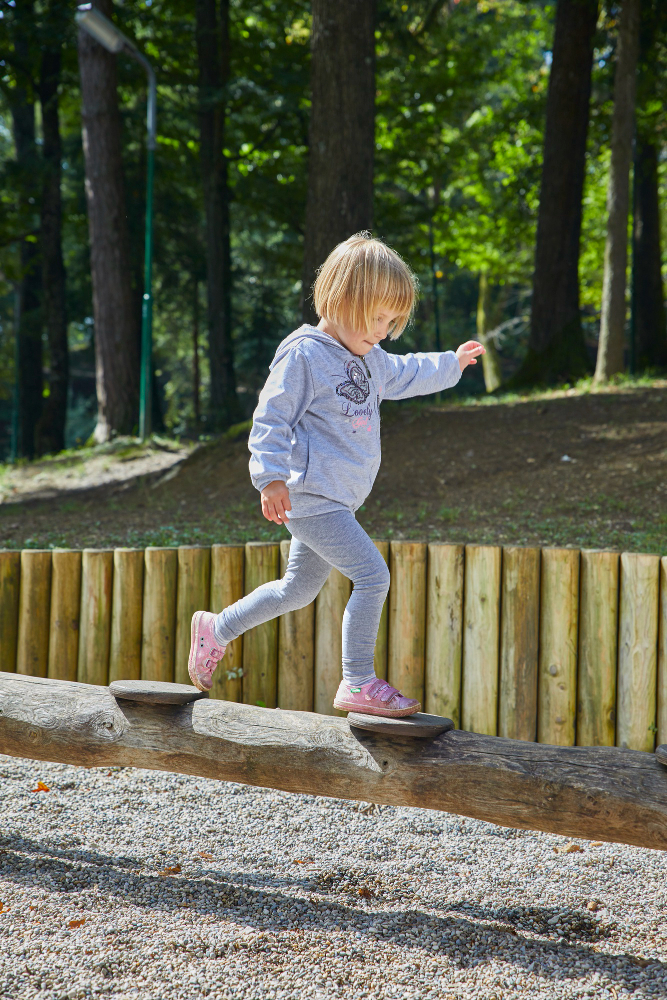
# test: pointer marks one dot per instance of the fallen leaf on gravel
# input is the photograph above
(41, 787)
(593, 905)
(3, 908)
(302, 861)
(174, 870)
(568, 849)
(597, 843)
(32, 907)
(365, 892)
(205, 854)
(77, 923)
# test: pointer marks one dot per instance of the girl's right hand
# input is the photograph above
(275, 501)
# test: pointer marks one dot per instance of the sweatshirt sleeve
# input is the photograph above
(282, 402)
(419, 374)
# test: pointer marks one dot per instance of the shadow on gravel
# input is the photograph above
(465, 933)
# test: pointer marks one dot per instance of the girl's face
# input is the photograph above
(361, 343)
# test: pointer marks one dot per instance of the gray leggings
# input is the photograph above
(318, 543)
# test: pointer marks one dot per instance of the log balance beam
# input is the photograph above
(599, 793)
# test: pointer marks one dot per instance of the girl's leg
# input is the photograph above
(338, 540)
(302, 582)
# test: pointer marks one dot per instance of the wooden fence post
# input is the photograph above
(382, 642)
(637, 651)
(227, 575)
(32, 654)
(444, 631)
(126, 615)
(559, 608)
(407, 618)
(260, 644)
(662, 656)
(159, 614)
(95, 616)
(598, 649)
(481, 639)
(65, 614)
(329, 607)
(193, 594)
(10, 584)
(519, 637)
(296, 651)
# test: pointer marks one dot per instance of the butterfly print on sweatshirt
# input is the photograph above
(356, 388)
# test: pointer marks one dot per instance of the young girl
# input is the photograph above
(315, 447)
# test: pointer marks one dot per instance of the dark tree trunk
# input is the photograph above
(650, 329)
(648, 300)
(213, 57)
(51, 430)
(116, 335)
(556, 348)
(29, 292)
(611, 346)
(342, 131)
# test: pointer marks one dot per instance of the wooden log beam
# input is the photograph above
(602, 793)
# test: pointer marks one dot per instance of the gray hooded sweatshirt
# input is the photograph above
(317, 422)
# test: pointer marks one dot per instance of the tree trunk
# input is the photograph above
(116, 335)
(491, 360)
(611, 347)
(650, 328)
(29, 375)
(342, 131)
(648, 301)
(195, 355)
(213, 57)
(51, 430)
(556, 348)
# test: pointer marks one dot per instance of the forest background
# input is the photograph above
(460, 106)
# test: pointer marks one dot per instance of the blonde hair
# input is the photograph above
(360, 276)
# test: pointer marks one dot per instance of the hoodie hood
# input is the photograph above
(305, 332)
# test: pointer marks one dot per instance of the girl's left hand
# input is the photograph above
(469, 352)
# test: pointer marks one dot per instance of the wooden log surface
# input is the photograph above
(193, 594)
(126, 614)
(329, 609)
(65, 619)
(662, 657)
(32, 654)
(519, 635)
(637, 651)
(260, 644)
(227, 574)
(598, 649)
(407, 618)
(296, 651)
(481, 639)
(95, 616)
(600, 793)
(444, 630)
(159, 614)
(10, 581)
(557, 685)
(382, 641)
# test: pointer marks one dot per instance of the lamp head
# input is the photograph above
(101, 28)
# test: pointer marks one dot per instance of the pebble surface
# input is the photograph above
(127, 883)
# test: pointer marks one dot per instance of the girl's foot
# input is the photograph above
(205, 650)
(377, 697)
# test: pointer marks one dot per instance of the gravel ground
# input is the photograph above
(135, 884)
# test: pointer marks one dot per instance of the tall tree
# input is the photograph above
(213, 59)
(22, 105)
(648, 299)
(556, 346)
(341, 136)
(51, 429)
(611, 346)
(116, 333)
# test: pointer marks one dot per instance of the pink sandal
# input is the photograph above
(377, 697)
(205, 650)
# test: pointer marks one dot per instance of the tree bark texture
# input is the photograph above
(213, 58)
(648, 299)
(491, 360)
(342, 131)
(611, 346)
(29, 375)
(116, 334)
(601, 793)
(556, 348)
(51, 430)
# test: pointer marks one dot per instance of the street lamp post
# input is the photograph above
(108, 35)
